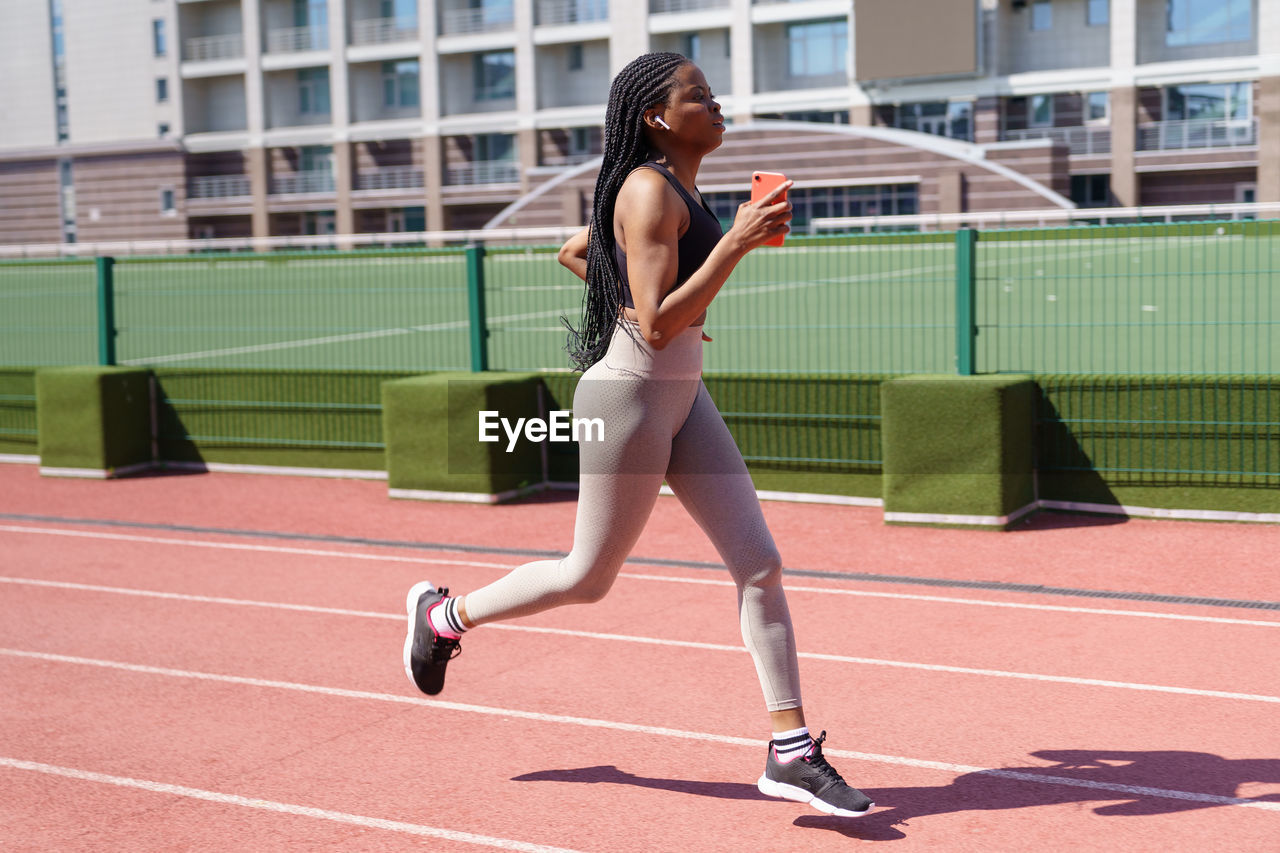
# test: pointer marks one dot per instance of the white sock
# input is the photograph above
(445, 619)
(791, 745)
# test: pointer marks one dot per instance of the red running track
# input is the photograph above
(170, 688)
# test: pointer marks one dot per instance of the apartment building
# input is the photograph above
(168, 119)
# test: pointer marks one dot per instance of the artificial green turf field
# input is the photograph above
(1190, 299)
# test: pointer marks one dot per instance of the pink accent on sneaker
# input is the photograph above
(782, 760)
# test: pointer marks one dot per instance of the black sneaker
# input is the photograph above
(426, 653)
(812, 780)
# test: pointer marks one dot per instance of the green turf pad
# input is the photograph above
(431, 431)
(93, 419)
(18, 410)
(957, 449)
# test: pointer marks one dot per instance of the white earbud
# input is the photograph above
(659, 120)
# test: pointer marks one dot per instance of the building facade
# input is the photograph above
(169, 119)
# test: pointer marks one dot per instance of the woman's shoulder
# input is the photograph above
(648, 188)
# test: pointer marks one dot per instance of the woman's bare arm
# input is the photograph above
(651, 214)
(573, 254)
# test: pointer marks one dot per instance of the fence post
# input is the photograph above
(106, 310)
(966, 330)
(475, 309)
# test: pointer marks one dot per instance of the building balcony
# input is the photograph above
(213, 48)
(483, 172)
(219, 186)
(563, 160)
(1198, 133)
(390, 178)
(1085, 139)
(383, 31)
(664, 7)
(559, 13)
(493, 19)
(297, 39)
(297, 183)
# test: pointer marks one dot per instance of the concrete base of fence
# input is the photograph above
(958, 450)
(93, 422)
(431, 428)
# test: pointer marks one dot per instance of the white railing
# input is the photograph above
(390, 178)
(483, 172)
(1202, 133)
(315, 181)
(383, 31)
(551, 235)
(1084, 139)
(484, 20)
(567, 159)
(554, 13)
(219, 186)
(1045, 218)
(211, 48)
(296, 39)
(662, 7)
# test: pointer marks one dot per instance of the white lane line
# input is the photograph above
(658, 731)
(669, 642)
(981, 602)
(791, 587)
(279, 808)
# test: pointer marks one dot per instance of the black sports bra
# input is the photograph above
(695, 245)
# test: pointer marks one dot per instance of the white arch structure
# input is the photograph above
(966, 152)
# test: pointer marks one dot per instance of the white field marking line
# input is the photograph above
(664, 641)
(279, 808)
(333, 339)
(636, 728)
(979, 602)
(432, 561)
(748, 290)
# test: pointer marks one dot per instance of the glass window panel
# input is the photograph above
(1040, 110)
(1041, 15)
(1099, 12)
(1097, 105)
(1241, 97)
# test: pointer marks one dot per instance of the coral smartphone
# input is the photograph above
(763, 183)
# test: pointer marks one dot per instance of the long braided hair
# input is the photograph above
(645, 81)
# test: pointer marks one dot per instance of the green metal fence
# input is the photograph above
(1146, 300)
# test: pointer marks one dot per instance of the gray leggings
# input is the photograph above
(659, 423)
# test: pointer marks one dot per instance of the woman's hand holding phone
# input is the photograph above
(763, 220)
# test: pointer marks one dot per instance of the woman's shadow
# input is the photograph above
(1127, 783)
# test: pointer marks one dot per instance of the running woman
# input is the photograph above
(653, 259)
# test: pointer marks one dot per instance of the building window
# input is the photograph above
(818, 49)
(495, 75)
(953, 120)
(405, 12)
(1041, 15)
(1246, 193)
(691, 46)
(575, 57)
(400, 83)
(579, 141)
(1207, 101)
(162, 90)
(1096, 106)
(167, 206)
(822, 202)
(162, 129)
(495, 146)
(313, 91)
(1099, 13)
(1040, 111)
(157, 37)
(1091, 190)
(1207, 21)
